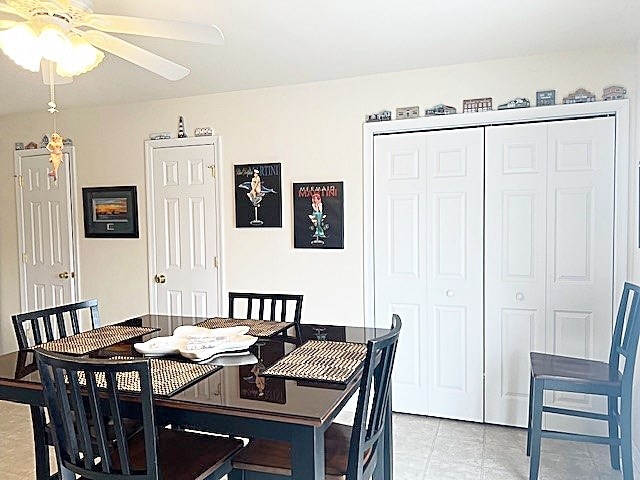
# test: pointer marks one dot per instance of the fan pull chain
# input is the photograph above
(52, 95)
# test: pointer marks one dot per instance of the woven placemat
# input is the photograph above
(257, 328)
(92, 340)
(168, 377)
(325, 361)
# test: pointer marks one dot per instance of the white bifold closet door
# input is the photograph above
(549, 209)
(428, 267)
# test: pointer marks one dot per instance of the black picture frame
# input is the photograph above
(318, 215)
(258, 195)
(110, 212)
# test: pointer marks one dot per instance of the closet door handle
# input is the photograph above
(519, 296)
(449, 293)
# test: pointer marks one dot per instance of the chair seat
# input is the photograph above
(274, 457)
(183, 455)
(583, 375)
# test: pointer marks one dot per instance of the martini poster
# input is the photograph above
(258, 190)
(318, 215)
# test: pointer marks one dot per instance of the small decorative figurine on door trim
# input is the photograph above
(55, 158)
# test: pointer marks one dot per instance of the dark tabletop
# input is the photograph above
(237, 390)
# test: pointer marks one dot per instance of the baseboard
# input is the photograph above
(636, 460)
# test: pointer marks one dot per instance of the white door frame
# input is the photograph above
(74, 221)
(622, 176)
(149, 147)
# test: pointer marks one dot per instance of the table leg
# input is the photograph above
(307, 453)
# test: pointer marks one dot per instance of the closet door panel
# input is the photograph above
(454, 273)
(580, 245)
(515, 265)
(400, 260)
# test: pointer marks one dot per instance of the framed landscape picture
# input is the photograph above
(258, 192)
(318, 215)
(110, 212)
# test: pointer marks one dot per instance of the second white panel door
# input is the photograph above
(184, 210)
(454, 273)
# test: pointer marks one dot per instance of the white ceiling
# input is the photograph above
(284, 42)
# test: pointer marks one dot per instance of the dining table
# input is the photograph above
(236, 399)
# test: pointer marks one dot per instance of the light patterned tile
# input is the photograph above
(505, 468)
(462, 430)
(409, 466)
(460, 471)
(511, 436)
(451, 451)
(427, 426)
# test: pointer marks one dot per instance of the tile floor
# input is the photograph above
(424, 449)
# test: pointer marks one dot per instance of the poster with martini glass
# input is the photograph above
(258, 191)
(318, 215)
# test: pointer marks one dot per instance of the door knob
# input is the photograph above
(160, 279)
(63, 275)
(449, 293)
(519, 296)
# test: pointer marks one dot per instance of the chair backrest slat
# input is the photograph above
(62, 328)
(269, 306)
(373, 400)
(78, 411)
(51, 323)
(121, 440)
(81, 394)
(625, 335)
(98, 422)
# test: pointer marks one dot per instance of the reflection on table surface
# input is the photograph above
(235, 387)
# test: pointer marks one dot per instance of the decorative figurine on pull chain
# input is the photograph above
(55, 145)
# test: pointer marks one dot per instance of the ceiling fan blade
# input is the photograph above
(61, 4)
(144, 58)
(7, 9)
(188, 32)
(4, 24)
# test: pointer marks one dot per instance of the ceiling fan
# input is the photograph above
(62, 24)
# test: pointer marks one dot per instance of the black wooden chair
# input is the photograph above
(569, 374)
(81, 392)
(262, 459)
(278, 307)
(41, 326)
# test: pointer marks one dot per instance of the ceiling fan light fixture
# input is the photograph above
(82, 58)
(20, 44)
(53, 43)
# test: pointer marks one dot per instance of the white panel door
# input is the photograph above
(580, 212)
(185, 272)
(400, 238)
(515, 265)
(428, 260)
(46, 239)
(548, 256)
(454, 273)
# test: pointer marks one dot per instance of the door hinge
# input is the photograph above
(215, 262)
(213, 170)
(25, 258)
(20, 180)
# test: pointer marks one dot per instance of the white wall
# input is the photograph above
(314, 130)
